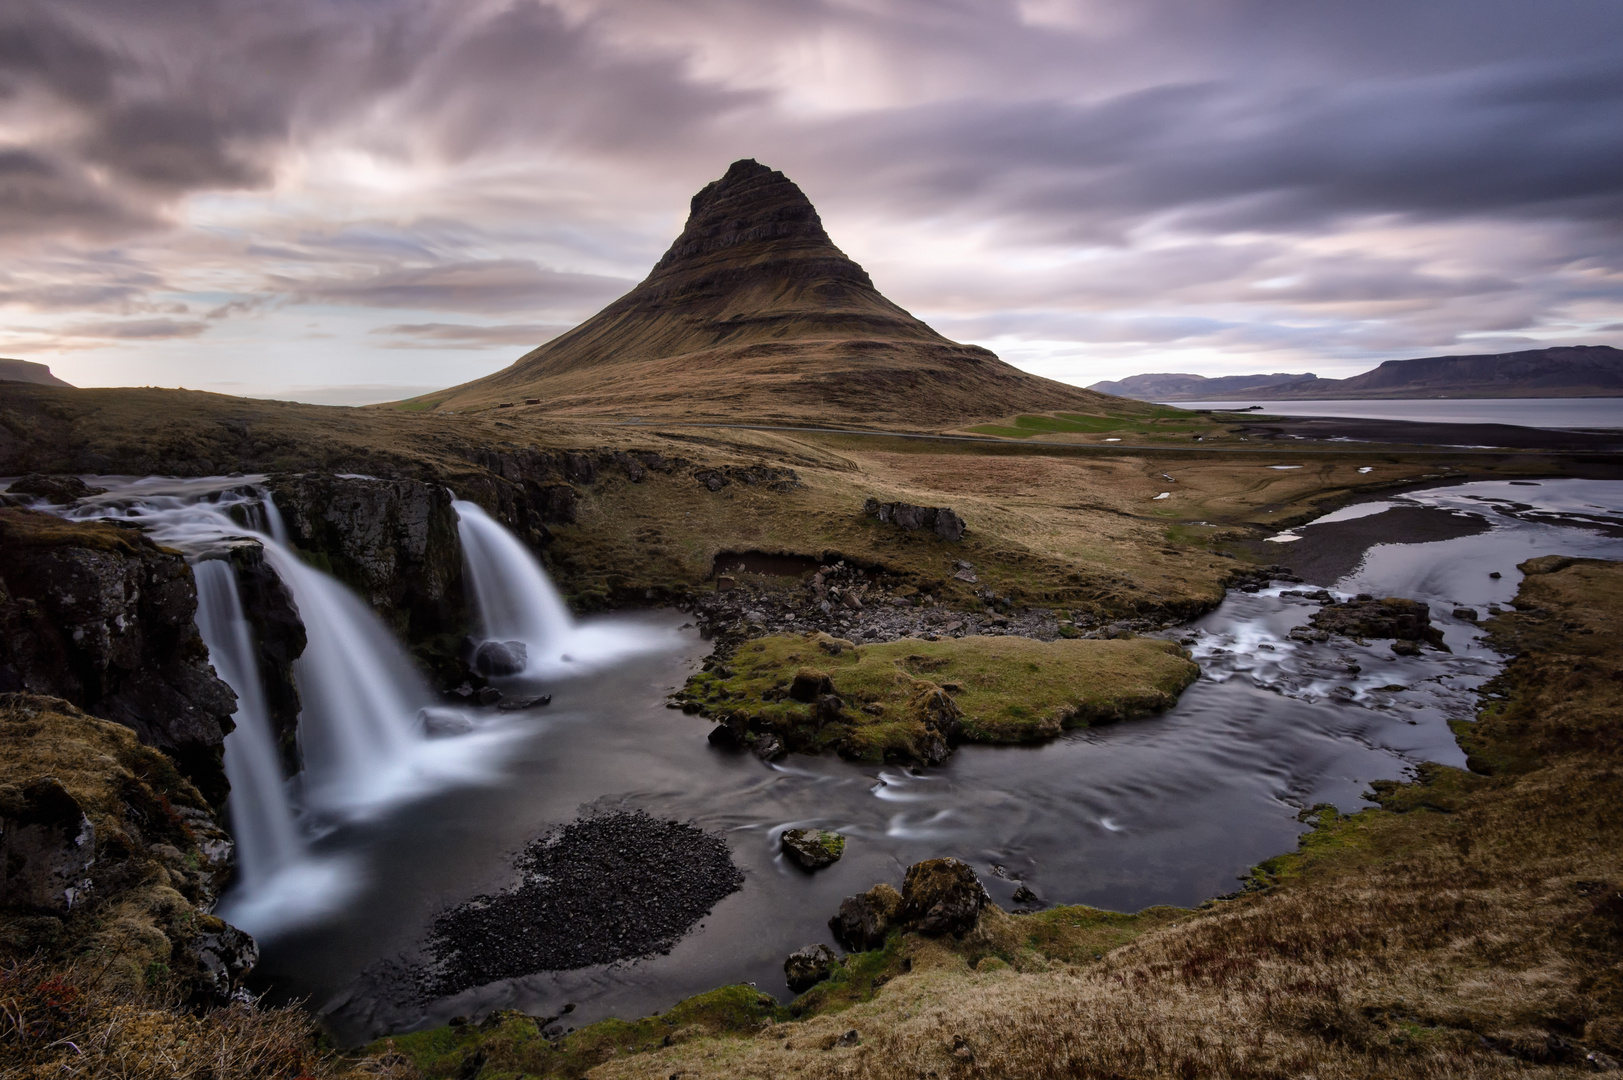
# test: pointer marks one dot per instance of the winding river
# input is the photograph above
(1168, 810)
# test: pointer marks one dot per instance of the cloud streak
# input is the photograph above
(1095, 184)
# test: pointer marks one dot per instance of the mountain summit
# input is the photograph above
(753, 312)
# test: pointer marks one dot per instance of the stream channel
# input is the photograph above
(1168, 810)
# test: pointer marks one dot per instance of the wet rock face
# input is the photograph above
(865, 919)
(938, 519)
(279, 639)
(393, 541)
(500, 657)
(941, 896)
(1393, 617)
(102, 617)
(808, 966)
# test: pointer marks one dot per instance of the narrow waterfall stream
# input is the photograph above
(268, 839)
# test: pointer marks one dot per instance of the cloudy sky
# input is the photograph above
(347, 200)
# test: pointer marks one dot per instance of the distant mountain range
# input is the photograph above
(1565, 371)
(28, 371)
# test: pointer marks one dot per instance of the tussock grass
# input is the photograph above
(73, 1021)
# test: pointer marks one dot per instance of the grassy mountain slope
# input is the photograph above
(754, 314)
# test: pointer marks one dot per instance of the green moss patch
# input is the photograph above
(1005, 689)
(510, 1044)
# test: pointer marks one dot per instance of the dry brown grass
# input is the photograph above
(60, 1022)
(1485, 941)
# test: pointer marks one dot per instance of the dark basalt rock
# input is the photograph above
(106, 848)
(808, 966)
(393, 541)
(866, 918)
(58, 490)
(100, 616)
(500, 657)
(809, 685)
(1393, 617)
(47, 846)
(941, 896)
(813, 849)
(938, 519)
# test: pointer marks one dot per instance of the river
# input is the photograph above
(1557, 413)
(1169, 810)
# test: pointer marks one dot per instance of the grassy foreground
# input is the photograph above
(1471, 925)
(1005, 689)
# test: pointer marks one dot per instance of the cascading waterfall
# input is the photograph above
(516, 601)
(361, 726)
(361, 695)
(267, 837)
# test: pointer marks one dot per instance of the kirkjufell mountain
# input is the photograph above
(754, 313)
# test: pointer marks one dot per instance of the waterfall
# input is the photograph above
(516, 601)
(360, 692)
(267, 837)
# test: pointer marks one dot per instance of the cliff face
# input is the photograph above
(753, 313)
(102, 617)
(393, 541)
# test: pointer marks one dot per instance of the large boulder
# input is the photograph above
(100, 616)
(500, 657)
(941, 896)
(58, 490)
(866, 918)
(813, 849)
(809, 685)
(808, 966)
(1393, 617)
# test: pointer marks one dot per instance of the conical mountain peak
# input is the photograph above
(754, 312)
(750, 207)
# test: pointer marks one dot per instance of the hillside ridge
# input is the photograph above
(1559, 371)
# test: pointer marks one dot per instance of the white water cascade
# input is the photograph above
(516, 601)
(361, 735)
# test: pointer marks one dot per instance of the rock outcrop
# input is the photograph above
(808, 966)
(865, 919)
(393, 541)
(100, 616)
(937, 519)
(1366, 617)
(109, 851)
(941, 896)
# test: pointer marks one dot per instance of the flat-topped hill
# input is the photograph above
(1560, 371)
(754, 313)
